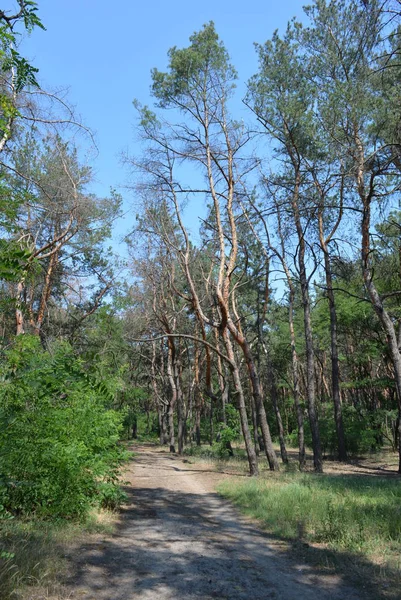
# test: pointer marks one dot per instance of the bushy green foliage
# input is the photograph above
(216, 454)
(362, 430)
(206, 451)
(58, 436)
(226, 435)
(228, 431)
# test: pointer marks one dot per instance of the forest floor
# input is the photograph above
(177, 538)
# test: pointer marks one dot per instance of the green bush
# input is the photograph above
(228, 432)
(111, 496)
(362, 431)
(226, 435)
(58, 436)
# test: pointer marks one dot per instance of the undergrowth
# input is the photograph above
(217, 451)
(33, 552)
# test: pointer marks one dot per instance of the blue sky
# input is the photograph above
(104, 51)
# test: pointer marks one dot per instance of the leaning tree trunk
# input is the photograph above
(173, 393)
(257, 394)
(392, 342)
(376, 300)
(250, 450)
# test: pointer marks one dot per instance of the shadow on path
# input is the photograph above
(173, 544)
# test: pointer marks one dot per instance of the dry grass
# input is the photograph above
(384, 463)
(36, 562)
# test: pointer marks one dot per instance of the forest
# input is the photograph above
(254, 313)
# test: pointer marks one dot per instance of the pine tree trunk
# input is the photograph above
(310, 375)
(173, 394)
(376, 300)
(180, 405)
(163, 431)
(295, 381)
(392, 342)
(335, 370)
(257, 394)
(250, 450)
(255, 425)
(274, 398)
(197, 426)
(310, 360)
(180, 421)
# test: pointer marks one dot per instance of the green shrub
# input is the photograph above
(361, 429)
(111, 496)
(58, 437)
(226, 435)
(205, 451)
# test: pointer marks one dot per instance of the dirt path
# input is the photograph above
(178, 539)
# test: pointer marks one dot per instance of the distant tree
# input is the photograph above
(281, 97)
(62, 229)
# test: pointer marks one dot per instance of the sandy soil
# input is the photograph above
(178, 539)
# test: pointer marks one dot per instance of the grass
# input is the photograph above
(33, 553)
(217, 451)
(352, 515)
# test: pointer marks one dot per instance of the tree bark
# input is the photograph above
(258, 397)
(250, 450)
(310, 374)
(274, 398)
(310, 361)
(173, 393)
(255, 426)
(335, 369)
(295, 381)
(19, 316)
(366, 196)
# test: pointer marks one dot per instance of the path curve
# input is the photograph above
(179, 540)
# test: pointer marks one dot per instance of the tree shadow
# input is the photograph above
(172, 545)
(143, 461)
(379, 471)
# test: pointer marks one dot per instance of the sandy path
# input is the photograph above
(178, 539)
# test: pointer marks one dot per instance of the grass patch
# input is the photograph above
(33, 553)
(212, 456)
(355, 515)
(218, 452)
